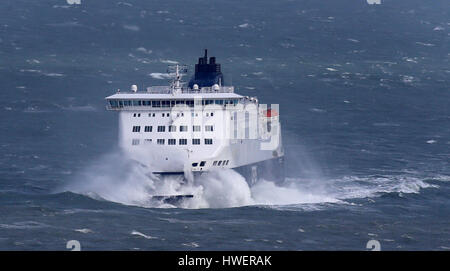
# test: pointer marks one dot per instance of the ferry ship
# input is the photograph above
(200, 126)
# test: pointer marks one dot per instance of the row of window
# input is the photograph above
(168, 114)
(173, 128)
(221, 163)
(173, 141)
(169, 103)
(215, 163)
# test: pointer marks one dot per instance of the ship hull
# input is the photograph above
(269, 170)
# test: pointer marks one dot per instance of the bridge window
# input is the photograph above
(220, 163)
(202, 163)
(190, 103)
(136, 129)
(215, 163)
(113, 103)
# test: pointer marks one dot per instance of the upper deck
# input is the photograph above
(165, 96)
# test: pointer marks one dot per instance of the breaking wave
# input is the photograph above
(122, 180)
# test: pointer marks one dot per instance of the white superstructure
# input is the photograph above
(178, 129)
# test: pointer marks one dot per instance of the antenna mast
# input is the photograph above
(176, 83)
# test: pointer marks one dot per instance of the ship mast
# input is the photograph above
(176, 83)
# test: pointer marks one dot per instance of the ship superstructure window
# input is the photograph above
(151, 114)
(161, 129)
(160, 141)
(135, 142)
(209, 128)
(183, 128)
(148, 141)
(208, 141)
(136, 129)
(172, 141)
(148, 129)
(196, 128)
(215, 163)
(182, 141)
(220, 163)
(172, 128)
(153, 103)
(202, 163)
(165, 103)
(196, 141)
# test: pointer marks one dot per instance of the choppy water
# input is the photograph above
(364, 99)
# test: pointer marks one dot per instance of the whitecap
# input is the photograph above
(24, 225)
(191, 244)
(82, 108)
(143, 50)
(317, 110)
(83, 230)
(53, 74)
(425, 44)
(143, 235)
(130, 27)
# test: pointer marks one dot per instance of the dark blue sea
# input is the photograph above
(364, 99)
